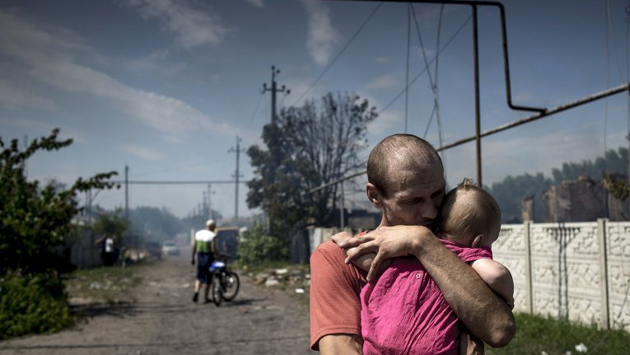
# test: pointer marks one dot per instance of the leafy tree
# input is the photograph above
(256, 247)
(306, 147)
(512, 190)
(110, 224)
(612, 161)
(34, 219)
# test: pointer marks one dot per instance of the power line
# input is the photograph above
(424, 70)
(340, 53)
(180, 168)
(407, 67)
(255, 110)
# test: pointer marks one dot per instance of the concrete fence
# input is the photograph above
(576, 271)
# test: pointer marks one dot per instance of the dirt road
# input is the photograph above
(164, 320)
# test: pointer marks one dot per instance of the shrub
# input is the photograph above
(255, 247)
(32, 304)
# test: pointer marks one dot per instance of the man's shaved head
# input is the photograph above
(396, 151)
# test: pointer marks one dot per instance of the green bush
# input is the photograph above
(255, 247)
(32, 304)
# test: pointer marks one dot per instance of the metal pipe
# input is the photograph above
(506, 64)
(477, 98)
(600, 95)
(547, 113)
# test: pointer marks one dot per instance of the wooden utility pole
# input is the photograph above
(274, 89)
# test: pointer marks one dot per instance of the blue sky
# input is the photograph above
(165, 86)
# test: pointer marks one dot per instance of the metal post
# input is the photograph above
(341, 211)
(603, 271)
(527, 225)
(477, 103)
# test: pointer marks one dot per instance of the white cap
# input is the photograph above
(210, 223)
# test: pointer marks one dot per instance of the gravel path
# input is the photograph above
(165, 321)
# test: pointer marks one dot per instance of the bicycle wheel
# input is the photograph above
(217, 294)
(231, 285)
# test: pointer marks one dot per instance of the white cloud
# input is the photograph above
(50, 62)
(142, 152)
(385, 82)
(381, 60)
(191, 27)
(157, 62)
(385, 122)
(257, 3)
(322, 36)
(15, 96)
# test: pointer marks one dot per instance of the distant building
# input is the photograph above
(583, 200)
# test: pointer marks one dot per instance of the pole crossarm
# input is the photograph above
(547, 113)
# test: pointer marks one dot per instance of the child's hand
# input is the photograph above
(341, 237)
(387, 243)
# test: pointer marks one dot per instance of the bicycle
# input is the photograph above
(225, 282)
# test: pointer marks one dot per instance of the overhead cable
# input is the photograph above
(339, 54)
(424, 70)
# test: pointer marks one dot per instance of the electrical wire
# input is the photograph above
(339, 54)
(255, 110)
(436, 106)
(179, 168)
(424, 70)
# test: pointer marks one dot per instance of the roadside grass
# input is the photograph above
(543, 335)
(109, 285)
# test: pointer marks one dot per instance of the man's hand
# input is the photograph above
(387, 243)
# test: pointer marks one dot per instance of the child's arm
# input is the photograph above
(364, 262)
(497, 276)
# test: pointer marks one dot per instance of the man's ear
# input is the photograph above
(477, 241)
(373, 195)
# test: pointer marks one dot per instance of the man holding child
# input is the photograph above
(406, 182)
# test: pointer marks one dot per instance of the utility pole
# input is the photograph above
(274, 90)
(88, 202)
(236, 175)
(210, 192)
(127, 193)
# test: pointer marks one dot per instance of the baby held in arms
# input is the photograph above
(404, 312)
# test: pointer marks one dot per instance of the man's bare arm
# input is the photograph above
(194, 251)
(340, 344)
(484, 313)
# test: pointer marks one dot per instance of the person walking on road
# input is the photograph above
(204, 247)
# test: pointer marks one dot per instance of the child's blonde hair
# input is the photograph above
(476, 212)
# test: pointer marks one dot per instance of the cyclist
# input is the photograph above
(205, 248)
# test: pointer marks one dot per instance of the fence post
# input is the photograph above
(603, 270)
(528, 267)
